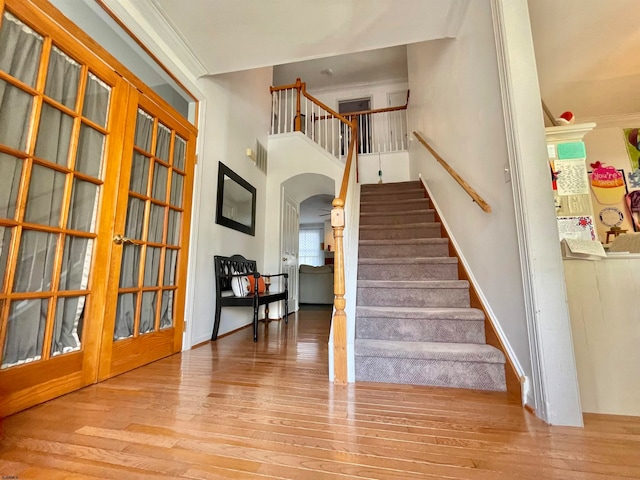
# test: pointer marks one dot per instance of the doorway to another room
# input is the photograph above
(357, 105)
(316, 251)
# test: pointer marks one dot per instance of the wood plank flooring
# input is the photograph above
(233, 409)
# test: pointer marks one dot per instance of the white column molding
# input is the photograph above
(555, 383)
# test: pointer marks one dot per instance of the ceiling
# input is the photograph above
(587, 56)
(232, 35)
(373, 66)
(316, 209)
(586, 50)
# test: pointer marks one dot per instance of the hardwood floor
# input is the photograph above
(235, 410)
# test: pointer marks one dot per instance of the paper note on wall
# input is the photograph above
(571, 150)
(576, 227)
(572, 177)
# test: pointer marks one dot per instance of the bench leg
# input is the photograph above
(256, 307)
(216, 322)
(286, 310)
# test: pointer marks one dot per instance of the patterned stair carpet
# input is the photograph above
(414, 324)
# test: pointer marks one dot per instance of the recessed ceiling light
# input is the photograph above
(326, 71)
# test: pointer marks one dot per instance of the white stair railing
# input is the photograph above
(380, 131)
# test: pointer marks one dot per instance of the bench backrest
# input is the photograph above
(229, 265)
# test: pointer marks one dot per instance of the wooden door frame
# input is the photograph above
(152, 346)
(85, 362)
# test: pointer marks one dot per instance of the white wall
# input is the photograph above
(606, 142)
(606, 332)
(377, 91)
(238, 107)
(456, 105)
(395, 167)
(294, 155)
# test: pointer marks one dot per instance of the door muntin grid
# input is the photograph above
(53, 118)
(153, 223)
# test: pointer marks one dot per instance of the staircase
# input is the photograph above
(413, 320)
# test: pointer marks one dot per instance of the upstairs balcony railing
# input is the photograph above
(379, 131)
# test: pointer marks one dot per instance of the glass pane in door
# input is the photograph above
(10, 173)
(151, 229)
(44, 201)
(14, 129)
(67, 328)
(96, 100)
(63, 77)
(5, 240)
(54, 135)
(25, 332)
(27, 46)
(48, 209)
(166, 319)
(34, 269)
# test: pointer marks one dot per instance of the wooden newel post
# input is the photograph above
(339, 317)
(297, 126)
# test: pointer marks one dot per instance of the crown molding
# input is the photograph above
(455, 17)
(149, 23)
(568, 133)
(609, 121)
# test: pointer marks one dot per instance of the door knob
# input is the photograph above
(120, 239)
(284, 259)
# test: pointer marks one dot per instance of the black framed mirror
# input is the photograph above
(236, 206)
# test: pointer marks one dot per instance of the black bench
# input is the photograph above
(224, 269)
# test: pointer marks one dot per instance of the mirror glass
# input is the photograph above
(236, 201)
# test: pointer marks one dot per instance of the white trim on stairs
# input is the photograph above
(526, 385)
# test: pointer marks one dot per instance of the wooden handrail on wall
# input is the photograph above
(467, 188)
(340, 317)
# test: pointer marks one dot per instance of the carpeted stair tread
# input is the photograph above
(413, 284)
(433, 246)
(386, 187)
(426, 211)
(414, 324)
(407, 260)
(406, 241)
(400, 227)
(452, 352)
(408, 201)
(421, 313)
(392, 194)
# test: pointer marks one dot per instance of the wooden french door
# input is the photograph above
(145, 299)
(70, 180)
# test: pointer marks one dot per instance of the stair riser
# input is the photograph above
(413, 297)
(396, 251)
(482, 376)
(399, 219)
(390, 187)
(423, 271)
(393, 196)
(431, 231)
(414, 330)
(400, 208)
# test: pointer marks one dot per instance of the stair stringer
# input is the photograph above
(517, 382)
